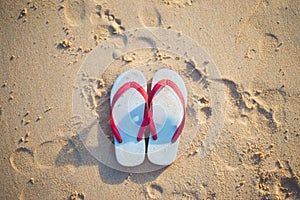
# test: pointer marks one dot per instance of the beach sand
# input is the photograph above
(255, 46)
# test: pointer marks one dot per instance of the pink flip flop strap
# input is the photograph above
(156, 88)
(118, 94)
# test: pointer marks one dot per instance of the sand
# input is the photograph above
(255, 46)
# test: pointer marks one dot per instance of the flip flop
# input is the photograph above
(129, 102)
(166, 116)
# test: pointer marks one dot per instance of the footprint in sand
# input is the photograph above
(270, 44)
(150, 17)
(155, 191)
(47, 152)
(75, 12)
(253, 106)
(57, 153)
(22, 160)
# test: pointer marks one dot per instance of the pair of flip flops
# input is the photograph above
(132, 110)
